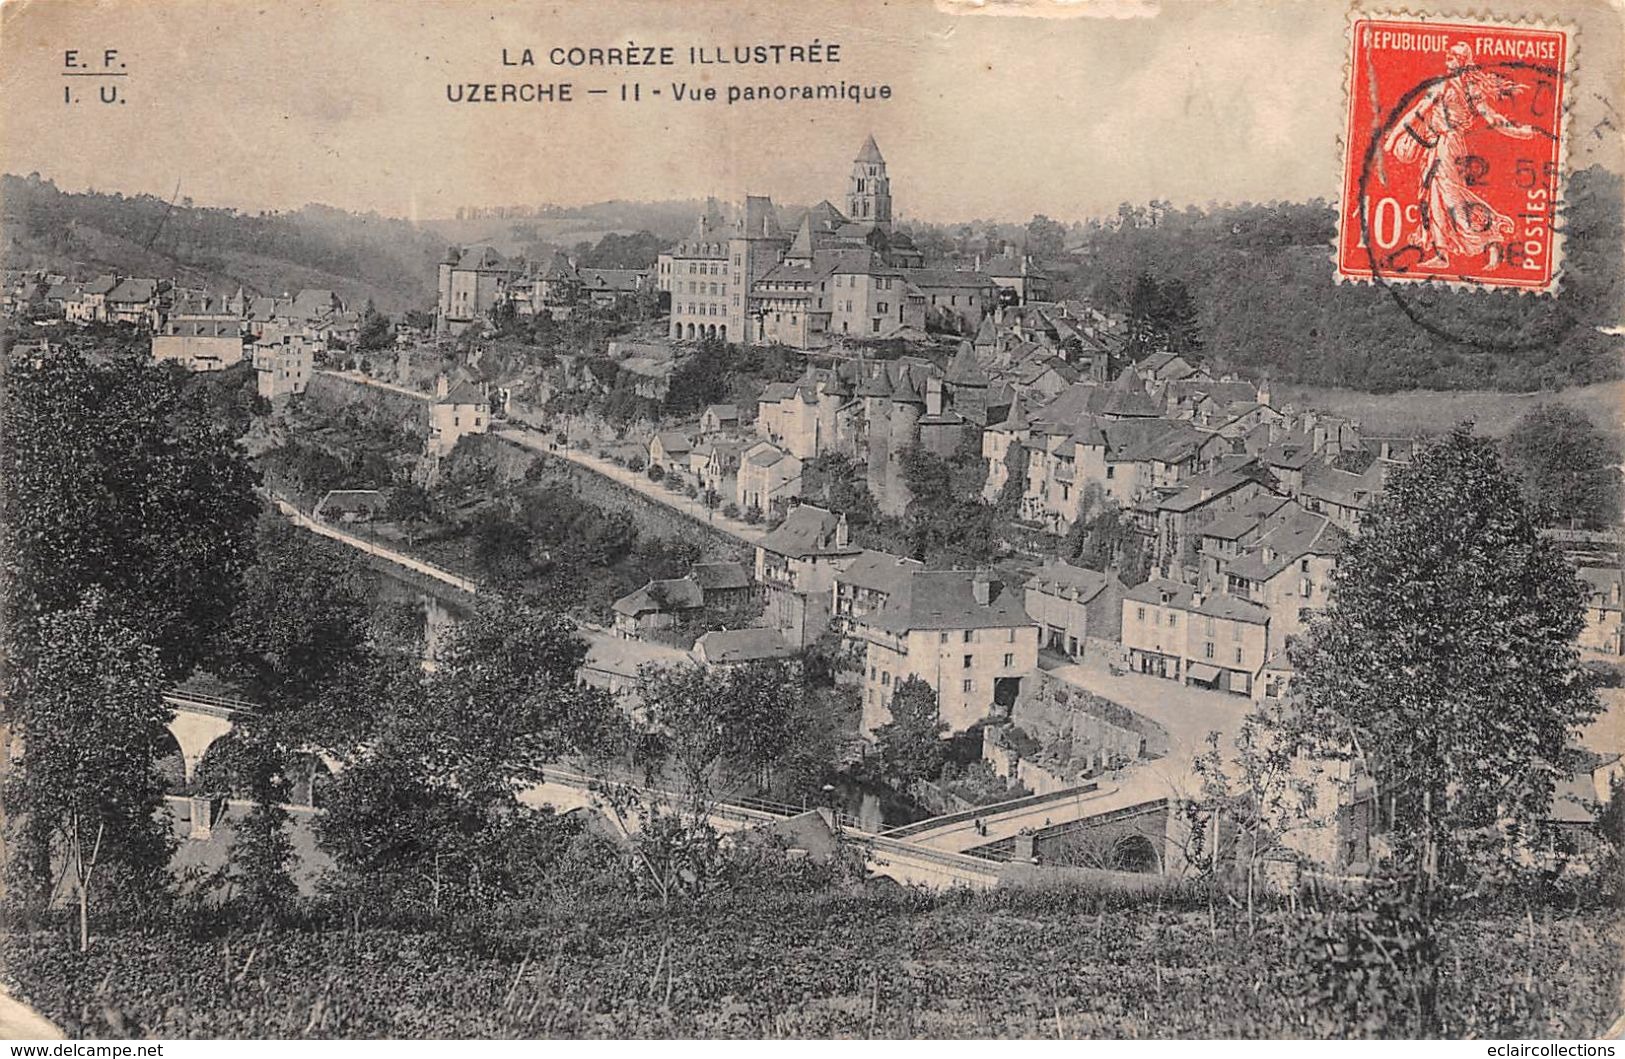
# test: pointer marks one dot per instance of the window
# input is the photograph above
(885, 680)
(965, 685)
(872, 673)
(967, 662)
(1235, 631)
(1111, 472)
(1139, 614)
(1207, 650)
(1173, 619)
(970, 635)
(1238, 656)
(943, 638)
(1208, 625)
(1009, 660)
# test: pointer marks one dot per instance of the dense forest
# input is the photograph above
(361, 256)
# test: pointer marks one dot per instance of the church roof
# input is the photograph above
(870, 151)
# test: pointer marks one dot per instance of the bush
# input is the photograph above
(753, 514)
(730, 510)
(635, 464)
(656, 472)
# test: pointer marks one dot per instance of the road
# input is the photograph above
(19, 1022)
(639, 483)
(378, 384)
(401, 559)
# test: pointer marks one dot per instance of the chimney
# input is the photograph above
(843, 537)
(441, 386)
(982, 587)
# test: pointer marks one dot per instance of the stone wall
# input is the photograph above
(513, 462)
(1059, 733)
(336, 393)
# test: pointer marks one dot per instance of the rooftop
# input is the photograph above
(946, 599)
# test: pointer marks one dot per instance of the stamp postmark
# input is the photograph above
(1454, 153)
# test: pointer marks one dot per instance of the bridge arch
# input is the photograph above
(1136, 853)
(195, 732)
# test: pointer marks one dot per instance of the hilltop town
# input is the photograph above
(1028, 571)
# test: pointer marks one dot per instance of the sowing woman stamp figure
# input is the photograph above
(1453, 220)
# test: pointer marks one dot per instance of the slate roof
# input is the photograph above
(719, 577)
(133, 292)
(463, 393)
(675, 442)
(945, 599)
(621, 280)
(870, 152)
(480, 257)
(678, 593)
(723, 411)
(1305, 533)
(879, 571)
(730, 646)
(1058, 577)
(1237, 524)
(766, 457)
(963, 370)
(1161, 592)
(806, 531)
(1344, 488)
(1231, 608)
(1203, 489)
(944, 278)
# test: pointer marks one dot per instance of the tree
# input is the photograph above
(298, 648)
(300, 625)
(1176, 318)
(714, 730)
(111, 483)
(431, 797)
(1046, 239)
(1447, 659)
(911, 743)
(376, 332)
(1570, 470)
(91, 714)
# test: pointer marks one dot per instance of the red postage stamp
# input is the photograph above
(1454, 153)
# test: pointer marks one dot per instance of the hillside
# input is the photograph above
(1262, 281)
(362, 256)
(1427, 411)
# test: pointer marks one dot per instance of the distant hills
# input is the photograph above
(361, 256)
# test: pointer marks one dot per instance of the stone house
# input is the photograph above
(1072, 604)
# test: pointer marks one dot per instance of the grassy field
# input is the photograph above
(882, 963)
(1424, 411)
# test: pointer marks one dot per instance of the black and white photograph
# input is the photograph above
(825, 520)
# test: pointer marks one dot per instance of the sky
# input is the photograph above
(271, 105)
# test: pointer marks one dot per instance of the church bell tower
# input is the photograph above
(868, 193)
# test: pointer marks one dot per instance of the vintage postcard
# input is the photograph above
(825, 519)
